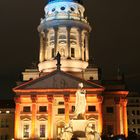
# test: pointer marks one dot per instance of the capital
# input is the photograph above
(50, 98)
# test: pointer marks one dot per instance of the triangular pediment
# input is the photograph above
(57, 80)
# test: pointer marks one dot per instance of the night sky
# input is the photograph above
(115, 38)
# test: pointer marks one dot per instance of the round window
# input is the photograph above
(72, 9)
(63, 8)
(53, 9)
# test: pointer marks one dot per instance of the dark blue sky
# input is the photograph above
(115, 38)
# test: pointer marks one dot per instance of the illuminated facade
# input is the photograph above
(46, 104)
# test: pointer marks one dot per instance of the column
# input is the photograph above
(46, 45)
(117, 113)
(100, 114)
(80, 43)
(17, 118)
(41, 56)
(50, 101)
(68, 42)
(34, 110)
(66, 99)
(55, 41)
(86, 46)
(125, 125)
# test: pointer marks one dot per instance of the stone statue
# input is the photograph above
(91, 134)
(68, 133)
(80, 105)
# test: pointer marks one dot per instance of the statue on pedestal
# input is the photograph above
(80, 105)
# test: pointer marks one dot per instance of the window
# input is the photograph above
(138, 112)
(128, 121)
(134, 129)
(109, 110)
(61, 111)
(53, 9)
(63, 8)
(138, 121)
(6, 123)
(61, 103)
(139, 130)
(52, 52)
(91, 108)
(73, 108)
(6, 137)
(26, 109)
(72, 52)
(137, 100)
(2, 123)
(133, 121)
(26, 131)
(42, 131)
(133, 112)
(42, 109)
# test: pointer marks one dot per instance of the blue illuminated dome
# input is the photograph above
(78, 1)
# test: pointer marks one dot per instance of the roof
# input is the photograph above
(57, 80)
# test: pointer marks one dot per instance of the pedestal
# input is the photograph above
(79, 127)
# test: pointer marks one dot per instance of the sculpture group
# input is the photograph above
(80, 107)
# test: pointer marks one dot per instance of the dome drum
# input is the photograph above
(66, 65)
(63, 23)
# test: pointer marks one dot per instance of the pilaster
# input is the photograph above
(34, 110)
(68, 42)
(66, 99)
(100, 114)
(124, 108)
(41, 56)
(17, 117)
(118, 121)
(50, 102)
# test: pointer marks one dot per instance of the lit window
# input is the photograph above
(61, 111)
(72, 52)
(0, 112)
(91, 108)
(26, 131)
(26, 109)
(7, 112)
(42, 109)
(109, 110)
(42, 131)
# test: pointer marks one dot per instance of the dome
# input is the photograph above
(78, 1)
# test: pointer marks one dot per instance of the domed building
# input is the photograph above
(45, 102)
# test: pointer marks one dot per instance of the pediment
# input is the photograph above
(57, 80)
